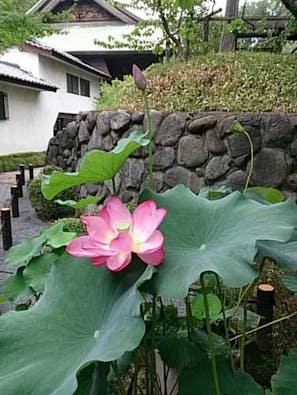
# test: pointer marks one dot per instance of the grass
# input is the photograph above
(12, 162)
(242, 81)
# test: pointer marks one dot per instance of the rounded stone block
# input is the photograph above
(277, 131)
(191, 152)
(199, 126)
(103, 122)
(180, 175)
(119, 121)
(95, 140)
(239, 143)
(163, 159)
(171, 129)
(83, 133)
(270, 168)
(217, 167)
(214, 144)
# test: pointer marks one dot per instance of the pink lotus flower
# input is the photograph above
(114, 234)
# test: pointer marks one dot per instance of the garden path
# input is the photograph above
(26, 225)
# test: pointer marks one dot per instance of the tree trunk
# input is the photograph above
(291, 5)
(228, 40)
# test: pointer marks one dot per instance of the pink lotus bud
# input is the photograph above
(138, 77)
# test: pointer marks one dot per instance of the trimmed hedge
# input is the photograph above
(241, 81)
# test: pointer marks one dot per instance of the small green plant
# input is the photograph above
(48, 210)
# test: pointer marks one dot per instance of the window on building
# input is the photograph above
(72, 84)
(3, 106)
(84, 87)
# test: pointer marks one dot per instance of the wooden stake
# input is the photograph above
(14, 191)
(265, 303)
(6, 228)
(31, 172)
(22, 172)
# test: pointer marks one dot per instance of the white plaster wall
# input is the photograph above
(26, 60)
(32, 114)
(23, 131)
(81, 37)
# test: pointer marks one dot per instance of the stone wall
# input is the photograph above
(195, 150)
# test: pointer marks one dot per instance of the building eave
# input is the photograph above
(65, 58)
(28, 84)
(118, 12)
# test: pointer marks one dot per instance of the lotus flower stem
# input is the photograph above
(225, 322)
(118, 376)
(150, 134)
(242, 339)
(210, 338)
(252, 161)
(153, 347)
(114, 189)
(189, 318)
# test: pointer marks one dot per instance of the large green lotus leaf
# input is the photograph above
(200, 380)
(214, 305)
(86, 314)
(178, 352)
(284, 382)
(218, 236)
(290, 282)
(93, 379)
(96, 166)
(36, 272)
(82, 203)
(56, 237)
(15, 288)
(285, 254)
(22, 253)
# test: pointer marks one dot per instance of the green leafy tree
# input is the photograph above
(179, 21)
(263, 8)
(291, 5)
(16, 27)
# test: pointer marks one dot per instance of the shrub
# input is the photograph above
(242, 81)
(48, 209)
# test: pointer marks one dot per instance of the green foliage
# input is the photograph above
(51, 237)
(101, 319)
(96, 166)
(285, 381)
(216, 235)
(85, 314)
(175, 23)
(11, 162)
(16, 27)
(80, 204)
(46, 209)
(73, 225)
(243, 81)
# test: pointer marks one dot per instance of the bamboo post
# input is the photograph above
(14, 191)
(6, 228)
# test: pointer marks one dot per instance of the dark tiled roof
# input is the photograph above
(10, 72)
(64, 56)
